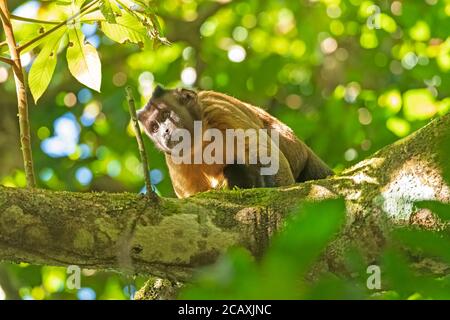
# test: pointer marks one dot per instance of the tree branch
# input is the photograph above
(22, 103)
(173, 237)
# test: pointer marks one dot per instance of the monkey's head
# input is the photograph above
(166, 111)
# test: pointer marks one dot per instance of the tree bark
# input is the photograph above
(171, 238)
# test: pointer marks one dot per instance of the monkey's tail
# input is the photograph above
(314, 169)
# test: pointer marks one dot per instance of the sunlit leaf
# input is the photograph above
(63, 2)
(83, 60)
(41, 71)
(107, 10)
(126, 29)
(79, 3)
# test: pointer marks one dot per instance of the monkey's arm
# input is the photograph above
(247, 176)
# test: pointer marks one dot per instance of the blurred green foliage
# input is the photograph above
(346, 79)
(283, 272)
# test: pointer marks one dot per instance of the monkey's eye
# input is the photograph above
(154, 127)
(165, 115)
(186, 96)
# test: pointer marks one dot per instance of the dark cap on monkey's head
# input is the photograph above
(158, 92)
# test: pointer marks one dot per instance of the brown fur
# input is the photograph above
(216, 110)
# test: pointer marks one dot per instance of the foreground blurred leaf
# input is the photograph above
(398, 275)
(307, 234)
(442, 210)
(428, 243)
(281, 273)
(83, 61)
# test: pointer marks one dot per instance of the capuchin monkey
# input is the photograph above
(171, 114)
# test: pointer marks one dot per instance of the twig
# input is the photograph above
(6, 60)
(18, 18)
(140, 142)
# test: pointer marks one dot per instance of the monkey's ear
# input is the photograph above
(187, 96)
(141, 115)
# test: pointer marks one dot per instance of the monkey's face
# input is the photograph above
(167, 111)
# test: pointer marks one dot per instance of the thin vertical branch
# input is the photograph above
(22, 103)
(140, 142)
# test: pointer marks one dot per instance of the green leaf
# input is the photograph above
(107, 11)
(63, 2)
(78, 3)
(126, 29)
(83, 61)
(442, 210)
(425, 242)
(43, 67)
(306, 235)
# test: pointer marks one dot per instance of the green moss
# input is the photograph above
(38, 234)
(13, 220)
(84, 240)
(158, 241)
(204, 258)
(107, 230)
(3, 197)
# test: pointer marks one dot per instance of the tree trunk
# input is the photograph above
(129, 232)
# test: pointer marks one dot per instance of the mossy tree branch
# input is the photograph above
(173, 237)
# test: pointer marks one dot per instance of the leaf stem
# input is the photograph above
(18, 18)
(7, 60)
(140, 142)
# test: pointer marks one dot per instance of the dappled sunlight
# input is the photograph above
(415, 180)
(320, 192)
(367, 164)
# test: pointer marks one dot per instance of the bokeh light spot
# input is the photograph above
(84, 175)
(188, 76)
(236, 53)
